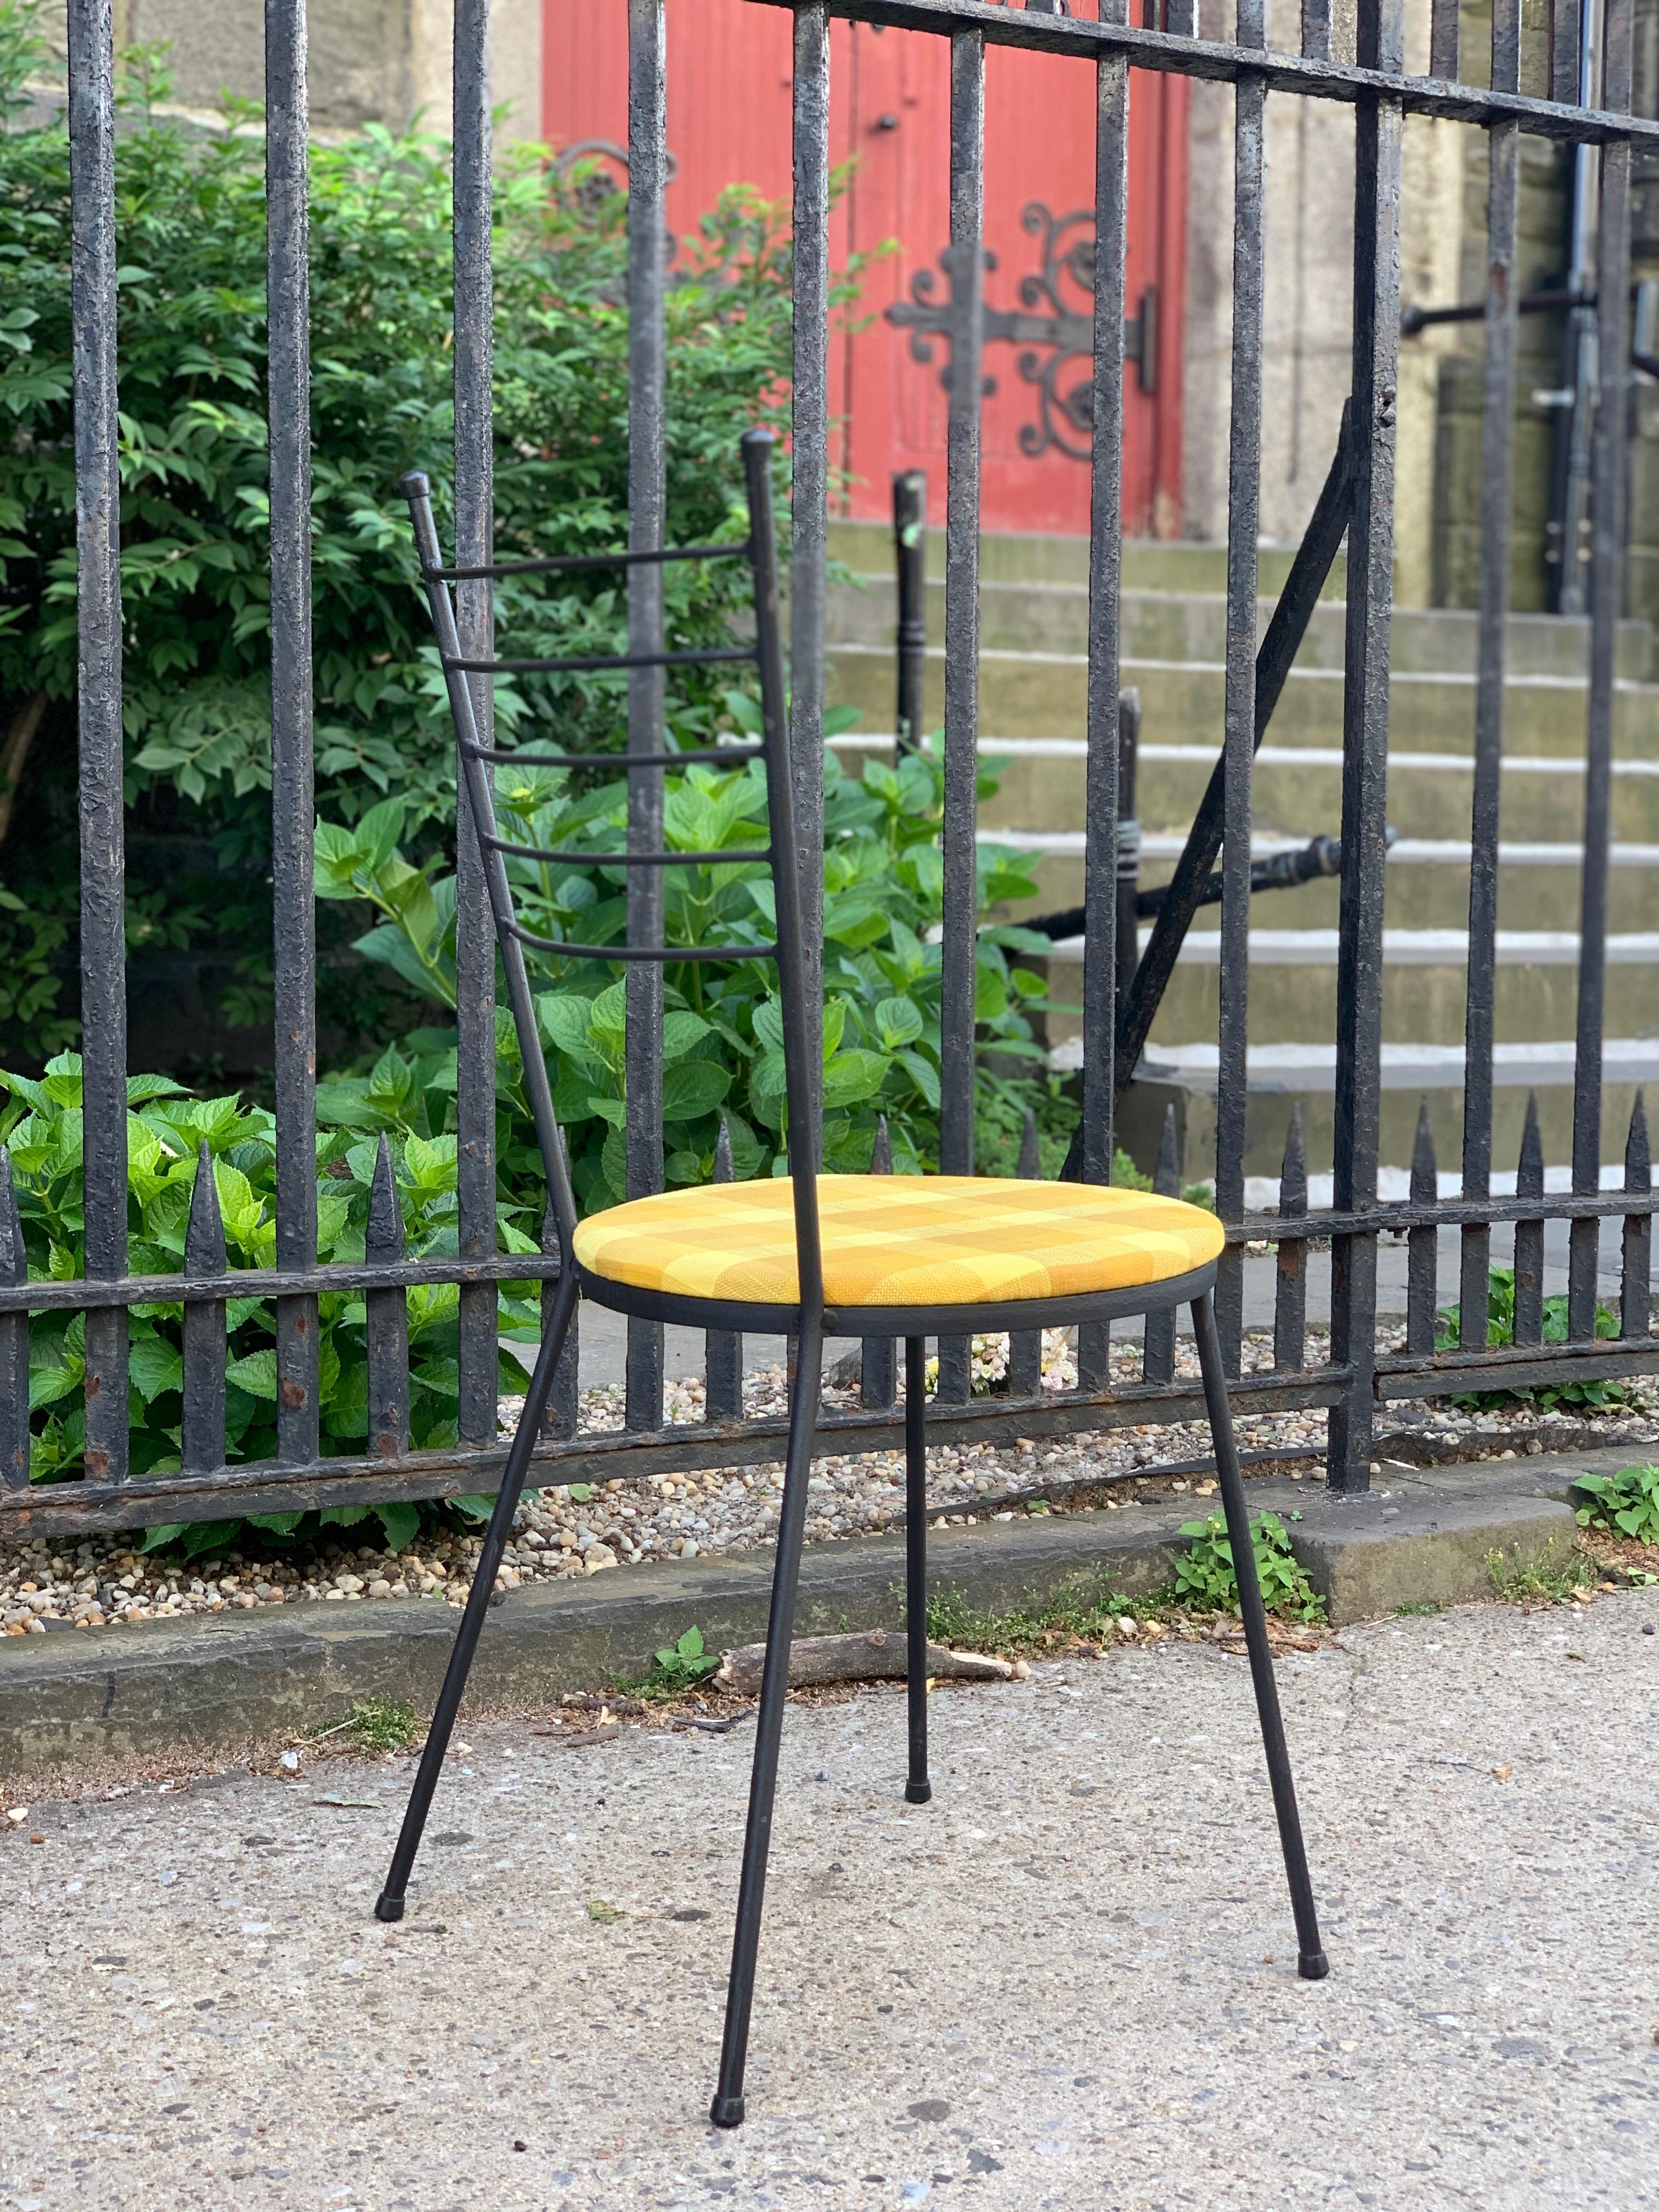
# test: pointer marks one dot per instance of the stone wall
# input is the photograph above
(372, 61)
(1309, 292)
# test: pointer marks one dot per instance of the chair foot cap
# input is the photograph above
(725, 2112)
(918, 1793)
(1313, 1965)
(387, 1907)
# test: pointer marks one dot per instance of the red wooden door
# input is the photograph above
(729, 67)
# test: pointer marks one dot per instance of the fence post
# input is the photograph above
(910, 561)
(810, 508)
(475, 504)
(960, 920)
(98, 618)
(1096, 1144)
(203, 1446)
(1365, 741)
(647, 492)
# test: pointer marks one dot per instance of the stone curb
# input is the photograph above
(222, 1684)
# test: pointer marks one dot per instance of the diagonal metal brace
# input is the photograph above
(1138, 1008)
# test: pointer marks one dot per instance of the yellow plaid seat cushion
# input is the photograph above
(899, 1241)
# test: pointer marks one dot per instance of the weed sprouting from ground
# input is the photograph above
(1206, 1580)
(1087, 1611)
(1625, 1505)
(1545, 1581)
(377, 1725)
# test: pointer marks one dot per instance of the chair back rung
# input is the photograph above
(477, 761)
(553, 564)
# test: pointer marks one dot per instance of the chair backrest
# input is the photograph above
(476, 763)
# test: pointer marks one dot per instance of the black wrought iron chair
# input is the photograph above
(854, 1255)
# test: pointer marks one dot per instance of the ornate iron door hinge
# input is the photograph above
(1052, 325)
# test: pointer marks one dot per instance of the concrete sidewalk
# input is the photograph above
(1067, 1985)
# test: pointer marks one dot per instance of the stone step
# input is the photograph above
(1292, 994)
(1192, 627)
(1427, 883)
(1298, 789)
(1281, 1076)
(1027, 692)
(1016, 556)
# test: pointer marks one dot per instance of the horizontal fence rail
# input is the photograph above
(1356, 1373)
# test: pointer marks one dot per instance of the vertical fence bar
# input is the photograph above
(1529, 1235)
(1128, 851)
(1443, 60)
(723, 1347)
(1158, 1347)
(1316, 30)
(810, 506)
(202, 1435)
(1025, 1344)
(1290, 1287)
(910, 567)
(387, 1314)
(1607, 465)
(475, 533)
(959, 950)
(1422, 1245)
(14, 1342)
(647, 503)
(1497, 501)
(1636, 1273)
(564, 1399)
(1365, 736)
(293, 908)
(1563, 50)
(98, 617)
(878, 1355)
(1243, 513)
(1101, 796)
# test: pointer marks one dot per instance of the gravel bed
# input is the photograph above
(565, 1531)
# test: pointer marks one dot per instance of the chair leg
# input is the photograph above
(390, 1903)
(1311, 1962)
(917, 1788)
(727, 2110)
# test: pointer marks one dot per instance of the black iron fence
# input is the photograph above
(1356, 1378)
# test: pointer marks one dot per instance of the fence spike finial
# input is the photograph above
(14, 1261)
(205, 1231)
(879, 1355)
(1293, 1171)
(1030, 1154)
(1529, 1171)
(723, 1169)
(1166, 1175)
(1638, 1158)
(1426, 1176)
(385, 1213)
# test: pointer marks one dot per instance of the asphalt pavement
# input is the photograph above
(1067, 1983)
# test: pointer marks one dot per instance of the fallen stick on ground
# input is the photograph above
(878, 1656)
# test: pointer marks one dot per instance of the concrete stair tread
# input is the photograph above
(1269, 755)
(1423, 948)
(1534, 1065)
(1405, 852)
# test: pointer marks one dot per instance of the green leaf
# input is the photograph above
(898, 1022)
(156, 1539)
(853, 1077)
(692, 1088)
(402, 1524)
